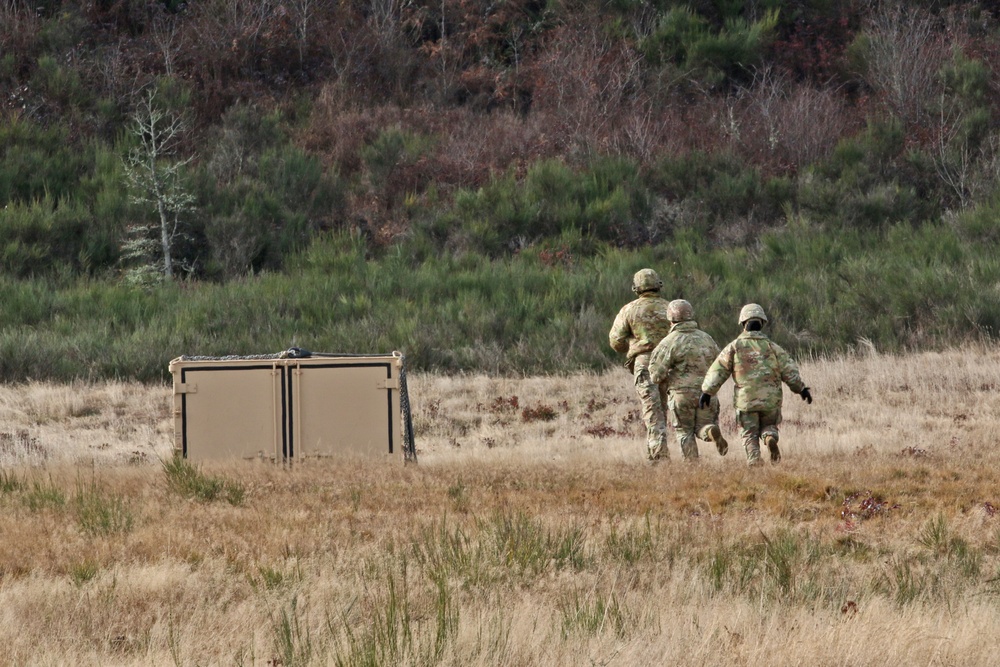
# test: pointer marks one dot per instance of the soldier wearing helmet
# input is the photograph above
(758, 367)
(678, 364)
(639, 326)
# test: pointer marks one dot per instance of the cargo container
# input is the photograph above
(290, 406)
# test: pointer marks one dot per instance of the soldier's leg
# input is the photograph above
(707, 425)
(681, 408)
(769, 432)
(653, 409)
(749, 423)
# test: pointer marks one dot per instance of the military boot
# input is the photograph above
(771, 440)
(715, 435)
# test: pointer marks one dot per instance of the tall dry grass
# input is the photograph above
(529, 533)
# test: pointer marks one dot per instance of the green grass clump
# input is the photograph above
(189, 481)
(593, 614)
(41, 496)
(10, 482)
(101, 513)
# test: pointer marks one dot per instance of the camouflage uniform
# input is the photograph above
(758, 367)
(639, 326)
(678, 364)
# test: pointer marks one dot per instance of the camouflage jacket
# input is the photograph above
(640, 325)
(758, 367)
(682, 358)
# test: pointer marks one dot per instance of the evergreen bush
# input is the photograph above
(687, 39)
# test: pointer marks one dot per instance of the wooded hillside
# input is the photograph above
(216, 140)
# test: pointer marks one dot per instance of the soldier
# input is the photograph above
(758, 367)
(678, 365)
(639, 326)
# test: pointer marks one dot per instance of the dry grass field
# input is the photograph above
(529, 533)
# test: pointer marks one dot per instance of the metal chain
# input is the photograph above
(409, 447)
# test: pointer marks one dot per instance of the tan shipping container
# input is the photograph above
(285, 407)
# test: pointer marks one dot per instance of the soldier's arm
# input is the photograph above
(789, 370)
(712, 345)
(660, 361)
(656, 370)
(620, 332)
(719, 371)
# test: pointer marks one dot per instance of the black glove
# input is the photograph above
(806, 396)
(705, 401)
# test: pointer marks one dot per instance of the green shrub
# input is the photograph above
(65, 29)
(259, 209)
(606, 202)
(392, 148)
(870, 181)
(712, 189)
(243, 135)
(300, 182)
(44, 237)
(686, 39)
(980, 224)
(59, 83)
(38, 162)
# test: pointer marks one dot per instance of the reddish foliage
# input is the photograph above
(602, 430)
(502, 405)
(538, 413)
(862, 506)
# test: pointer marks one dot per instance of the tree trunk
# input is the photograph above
(168, 264)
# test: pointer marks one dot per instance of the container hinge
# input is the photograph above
(186, 388)
(388, 383)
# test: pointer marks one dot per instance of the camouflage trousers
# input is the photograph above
(753, 427)
(688, 419)
(653, 399)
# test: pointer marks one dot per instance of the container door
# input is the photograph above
(234, 412)
(345, 408)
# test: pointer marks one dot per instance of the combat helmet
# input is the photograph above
(679, 310)
(646, 280)
(752, 311)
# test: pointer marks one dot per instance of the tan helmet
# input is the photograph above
(679, 310)
(752, 311)
(646, 280)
